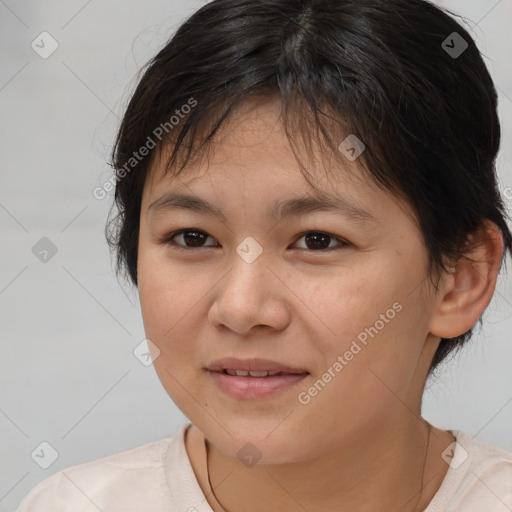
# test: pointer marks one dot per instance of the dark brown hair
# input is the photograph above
(380, 69)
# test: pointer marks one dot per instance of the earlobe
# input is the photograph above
(468, 290)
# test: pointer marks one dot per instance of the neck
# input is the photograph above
(383, 469)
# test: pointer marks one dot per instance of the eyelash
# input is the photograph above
(168, 240)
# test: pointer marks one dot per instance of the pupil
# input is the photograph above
(315, 238)
(196, 238)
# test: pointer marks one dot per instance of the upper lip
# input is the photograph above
(255, 365)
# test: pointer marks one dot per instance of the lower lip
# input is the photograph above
(254, 387)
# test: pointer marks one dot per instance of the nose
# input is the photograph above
(251, 295)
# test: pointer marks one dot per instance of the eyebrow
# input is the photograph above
(289, 208)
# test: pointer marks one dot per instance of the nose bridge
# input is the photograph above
(249, 263)
(247, 296)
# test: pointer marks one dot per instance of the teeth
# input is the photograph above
(246, 373)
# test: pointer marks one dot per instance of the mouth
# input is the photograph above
(249, 373)
(254, 378)
(253, 367)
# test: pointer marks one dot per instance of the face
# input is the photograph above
(338, 301)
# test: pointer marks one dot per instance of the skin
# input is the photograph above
(360, 443)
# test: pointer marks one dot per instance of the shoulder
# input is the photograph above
(110, 483)
(479, 477)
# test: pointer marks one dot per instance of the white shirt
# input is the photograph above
(158, 477)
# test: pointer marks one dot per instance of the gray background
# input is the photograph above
(68, 329)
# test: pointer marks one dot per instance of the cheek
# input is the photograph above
(347, 302)
(369, 343)
(372, 320)
(167, 298)
(170, 305)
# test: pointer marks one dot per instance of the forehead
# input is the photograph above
(251, 155)
(253, 134)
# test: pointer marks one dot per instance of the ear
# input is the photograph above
(467, 291)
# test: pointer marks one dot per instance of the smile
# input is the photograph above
(253, 385)
(248, 373)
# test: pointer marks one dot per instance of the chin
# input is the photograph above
(253, 442)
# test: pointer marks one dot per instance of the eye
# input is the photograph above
(194, 237)
(320, 241)
(317, 241)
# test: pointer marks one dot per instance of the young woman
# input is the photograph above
(308, 205)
